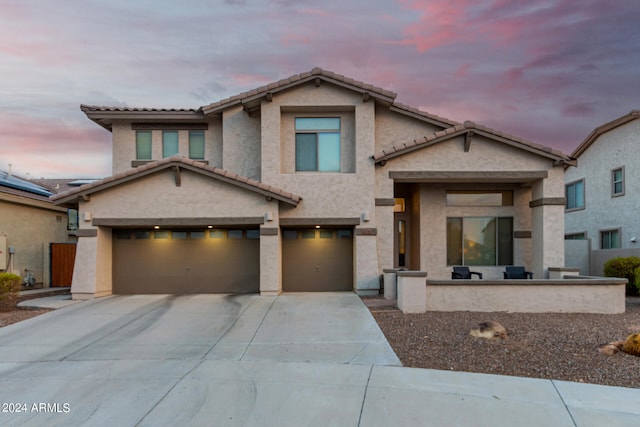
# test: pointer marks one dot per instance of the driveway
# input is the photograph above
(125, 360)
(292, 360)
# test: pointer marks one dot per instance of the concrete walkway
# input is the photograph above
(292, 360)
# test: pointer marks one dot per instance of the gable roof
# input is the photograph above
(176, 163)
(252, 98)
(250, 101)
(470, 129)
(602, 129)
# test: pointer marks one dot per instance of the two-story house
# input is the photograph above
(313, 183)
(602, 191)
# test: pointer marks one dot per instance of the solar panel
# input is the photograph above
(11, 181)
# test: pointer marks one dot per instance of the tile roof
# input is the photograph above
(295, 80)
(254, 95)
(59, 185)
(406, 109)
(602, 129)
(97, 108)
(468, 126)
(223, 175)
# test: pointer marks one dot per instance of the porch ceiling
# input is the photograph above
(520, 177)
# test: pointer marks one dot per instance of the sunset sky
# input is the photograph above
(549, 71)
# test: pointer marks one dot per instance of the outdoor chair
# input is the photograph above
(517, 272)
(464, 273)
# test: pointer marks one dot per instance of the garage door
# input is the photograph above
(316, 260)
(186, 261)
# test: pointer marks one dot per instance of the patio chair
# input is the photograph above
(517, 272)
(464, 273)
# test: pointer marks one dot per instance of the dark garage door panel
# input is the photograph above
(319, 263)
(185, 266)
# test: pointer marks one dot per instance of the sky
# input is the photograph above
(548, 71)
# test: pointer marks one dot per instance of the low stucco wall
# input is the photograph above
(579, 295)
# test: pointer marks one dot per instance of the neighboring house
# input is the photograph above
(602, 191)
(316, 182)
(29, 224)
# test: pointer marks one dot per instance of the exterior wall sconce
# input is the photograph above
(365, 217)
(86, 216)
(268, 216)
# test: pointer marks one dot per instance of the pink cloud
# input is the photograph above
(440, 23)
(250, 80)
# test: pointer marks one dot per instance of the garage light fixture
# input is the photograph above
(317, 226)
(209, 226)
(157, 227)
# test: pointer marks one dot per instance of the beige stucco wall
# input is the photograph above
(157, 196)
(241, 151)
(30, 227)
(394, 129)
(124, 144)
(559, 296)
(347, 194)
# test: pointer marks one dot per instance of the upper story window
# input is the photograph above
(196, 145)
(617, 182)
(574, 193)
(317, 144)
(169, 143)
(143, 145)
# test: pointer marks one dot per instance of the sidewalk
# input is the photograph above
(50, 302)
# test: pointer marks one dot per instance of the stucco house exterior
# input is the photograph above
(602, 191)
(316, 182)
(29, 224)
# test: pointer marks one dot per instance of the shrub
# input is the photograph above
(625, 267)
(9, 288)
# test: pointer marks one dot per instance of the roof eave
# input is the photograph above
(73, 197)
(253, 100)
(602, 129)
(105, 116)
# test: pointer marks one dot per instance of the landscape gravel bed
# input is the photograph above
(557, 346)
(19, 314)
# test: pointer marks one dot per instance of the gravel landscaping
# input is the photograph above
(551, 346)
(20, 314)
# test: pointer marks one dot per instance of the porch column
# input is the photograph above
(92, 272)
(547, 223)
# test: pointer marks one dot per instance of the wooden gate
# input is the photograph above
(63, 256)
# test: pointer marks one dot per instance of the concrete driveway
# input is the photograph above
(292, 360)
